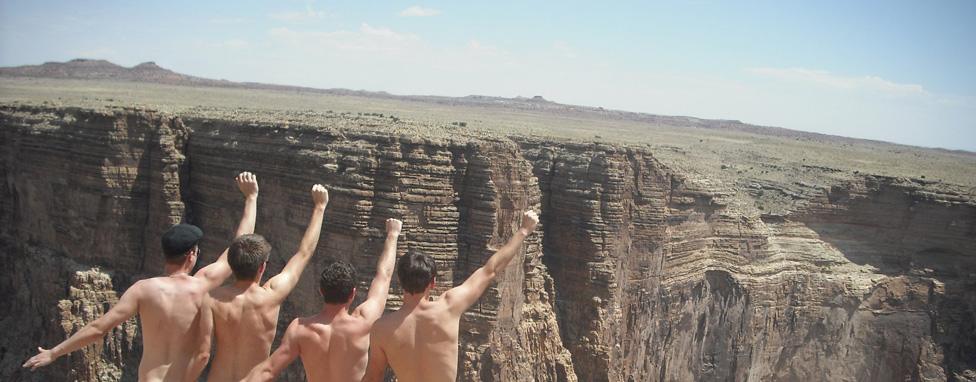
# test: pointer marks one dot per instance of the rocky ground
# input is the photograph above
(666, 252)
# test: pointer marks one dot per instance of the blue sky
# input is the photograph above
(901, 71)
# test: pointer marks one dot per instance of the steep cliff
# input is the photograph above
(82, 191)
(641, 271)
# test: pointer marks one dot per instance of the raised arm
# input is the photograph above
(127, 307)
(376, 366)
(248, 184)
(372, 308)
(219, 270)
(461, 297)
(282, 357)
(282, 284)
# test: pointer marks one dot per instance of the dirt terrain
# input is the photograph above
(671, 248)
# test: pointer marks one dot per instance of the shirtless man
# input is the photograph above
(420, 340)
(175, 332)
(245, 313)
(333, 343)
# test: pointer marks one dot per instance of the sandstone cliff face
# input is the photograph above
(81, 190)
(638, 272)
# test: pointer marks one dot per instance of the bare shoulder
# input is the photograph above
(303, 327)
(147, 290)
(357, 325)
(443, 302)
(220, 294)
(387, 322)
(198, 281)
(302, 323)
(138, 288)
(150, 284)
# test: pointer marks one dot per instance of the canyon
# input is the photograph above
(651, 263)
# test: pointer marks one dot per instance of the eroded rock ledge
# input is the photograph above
(638, 273)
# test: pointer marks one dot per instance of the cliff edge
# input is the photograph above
(640, 271)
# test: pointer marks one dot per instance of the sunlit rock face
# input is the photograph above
(638, 272)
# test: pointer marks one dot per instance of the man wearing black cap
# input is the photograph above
(175, 329)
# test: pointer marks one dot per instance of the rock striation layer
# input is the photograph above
(639, 272)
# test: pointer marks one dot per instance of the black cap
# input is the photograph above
(180, 238)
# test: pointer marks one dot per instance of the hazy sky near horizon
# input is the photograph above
(899, 71)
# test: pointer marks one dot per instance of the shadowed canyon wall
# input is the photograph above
(637, 272)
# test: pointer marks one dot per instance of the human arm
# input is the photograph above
(465, 295)
(286, 353)
(376, 366)
(379, 289)
(283, 283)
(127, 307)
(201, 353)
(218, 271)
(248, 184)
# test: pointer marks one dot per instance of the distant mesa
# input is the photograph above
(92, 69)
(147, 65)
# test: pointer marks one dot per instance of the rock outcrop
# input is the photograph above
(639, 272)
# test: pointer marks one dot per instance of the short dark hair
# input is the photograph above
(246, 254)
(337, 281)
(416, 271)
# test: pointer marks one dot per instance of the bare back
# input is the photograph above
(331, 350)
(430, 358)
(244, 324)
(169, 313)
(420, 340)
(334, 344)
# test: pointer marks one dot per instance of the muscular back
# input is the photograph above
(430, 358)
(331, 350)
(244, 323)
(170, 315)
(420, 340)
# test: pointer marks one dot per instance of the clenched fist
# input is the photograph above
(320, 195)
(247, 183)
(393, 226)
(529, 220)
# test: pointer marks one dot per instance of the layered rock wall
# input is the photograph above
(637, 273)
(82, 191)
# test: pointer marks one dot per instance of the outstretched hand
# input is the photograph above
(529, 220)
(43, 358)
(320, 195)
(393, 226)
(247, 183)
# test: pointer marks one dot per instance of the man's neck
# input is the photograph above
(411, 300)
(244, 284)
(176, 270)
(331, 311)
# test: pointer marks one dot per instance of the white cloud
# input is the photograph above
(476, 48)
(366, 39)
(830, 80)
(418, 11)
(298, 16)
